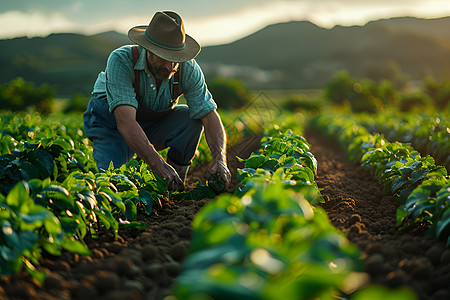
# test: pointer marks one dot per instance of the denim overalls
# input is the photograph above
(171, 128)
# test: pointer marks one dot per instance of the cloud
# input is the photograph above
(223, 28)
(16, 23)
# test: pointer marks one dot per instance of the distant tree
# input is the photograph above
(415, 102)
(301, 102)
(363, 95)
(439, 92)
(229, 93)
(77, 103)
(20, 95)
(386, 71)
(341, 88)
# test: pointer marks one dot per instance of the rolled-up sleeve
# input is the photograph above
(119, 80)
(198, 97)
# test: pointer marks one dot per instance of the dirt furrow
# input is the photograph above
(356, 205)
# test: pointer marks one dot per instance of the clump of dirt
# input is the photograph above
(356, 205)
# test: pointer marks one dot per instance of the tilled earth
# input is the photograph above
(144, 264)
(356, 205)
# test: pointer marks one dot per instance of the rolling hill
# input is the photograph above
(301, 54)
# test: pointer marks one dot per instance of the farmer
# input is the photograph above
(134, 105)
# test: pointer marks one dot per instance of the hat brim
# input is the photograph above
(191, 49)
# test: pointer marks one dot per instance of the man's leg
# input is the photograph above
(107, 143)
(178, 132)
(111, 148)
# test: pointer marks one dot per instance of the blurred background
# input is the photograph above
(301, 53)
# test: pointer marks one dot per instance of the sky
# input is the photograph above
(210, 22)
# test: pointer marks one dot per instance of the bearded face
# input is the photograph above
(159, 67)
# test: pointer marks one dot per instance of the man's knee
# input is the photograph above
(111, 150)
(193, 126)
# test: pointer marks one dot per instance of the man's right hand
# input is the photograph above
(174, 181)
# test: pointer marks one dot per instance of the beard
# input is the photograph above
(161, 72)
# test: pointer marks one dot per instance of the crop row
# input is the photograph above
(428, 134)
(270, 239)
(51, 195)
(421, 186)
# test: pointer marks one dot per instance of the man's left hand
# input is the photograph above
(220, 168)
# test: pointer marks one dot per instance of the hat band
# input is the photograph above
(163, 45)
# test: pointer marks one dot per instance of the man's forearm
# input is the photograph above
(137, 140)
(215, 136)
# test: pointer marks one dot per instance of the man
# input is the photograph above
(133, 107)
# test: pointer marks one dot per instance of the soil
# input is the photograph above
(356, 205)
(144, 264)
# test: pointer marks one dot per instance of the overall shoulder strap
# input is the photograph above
(136, 72)
(177, 83)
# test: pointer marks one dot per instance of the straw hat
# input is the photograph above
(165, 37)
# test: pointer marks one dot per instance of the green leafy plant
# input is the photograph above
(414, 179)
(27, 228)
(271, 237)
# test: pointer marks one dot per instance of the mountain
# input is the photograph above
(71, 62)
(297, 54)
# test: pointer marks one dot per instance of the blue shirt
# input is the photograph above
(118, 78)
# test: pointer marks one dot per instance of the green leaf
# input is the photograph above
(65, 144)
(397, 183)
(59, 196)
(145, 197)
(443, 225)
(256, 161)
(270, 165)
(418, 195)
(401, 214)
(418, 175)
(52, 225)
(70, 244)
(51, 248)
(31, 146)
(28, 171)
(443, 196)
(377, 292)
(201, 192)
(310, 161)
(88, 197)
(18, 196)
(36, 274)
(104, 219)
(35, 217)
(114, 198)
(69, 224)
(46, 159)
(133, 224)
(131, 210)
(215, 183)
(20, 241)
(421, 207)
(159, 185)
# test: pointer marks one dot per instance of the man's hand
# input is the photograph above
(174, 181)
(220, 168)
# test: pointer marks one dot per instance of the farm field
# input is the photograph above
(135, 263)
(356, 205)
